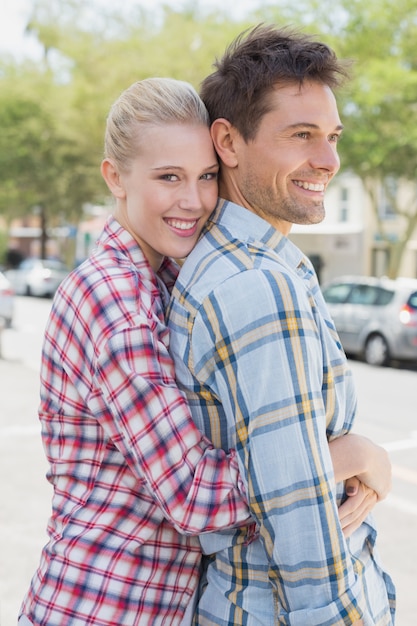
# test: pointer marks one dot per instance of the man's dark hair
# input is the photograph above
(259, 60)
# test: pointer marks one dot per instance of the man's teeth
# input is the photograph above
(310, 186)
(181, 225)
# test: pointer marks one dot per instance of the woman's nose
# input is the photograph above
(189, 197)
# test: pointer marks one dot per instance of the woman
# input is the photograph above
(133, 478)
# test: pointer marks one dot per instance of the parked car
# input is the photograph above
(376, 318)
(37, 277)
(6, 301)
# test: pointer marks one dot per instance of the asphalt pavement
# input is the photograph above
(25, 494)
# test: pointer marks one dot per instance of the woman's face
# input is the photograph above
(169, 190)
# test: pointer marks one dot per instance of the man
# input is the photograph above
(258, 354)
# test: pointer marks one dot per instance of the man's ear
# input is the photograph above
(223, 135)
(112, 177)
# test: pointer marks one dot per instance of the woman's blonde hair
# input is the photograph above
(152, 101)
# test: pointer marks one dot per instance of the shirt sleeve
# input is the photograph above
(145, 415)
(256, 346)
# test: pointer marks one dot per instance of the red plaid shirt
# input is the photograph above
(129, 469)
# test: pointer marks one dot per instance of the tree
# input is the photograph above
(54, 112)
(54, 144)
(380, 111)
(41, 166)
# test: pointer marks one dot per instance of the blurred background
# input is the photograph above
(62, 64)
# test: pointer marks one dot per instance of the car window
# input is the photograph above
(363, 294)
(412, 301)
(370, 295)
(337, 294)
(51, 264)
(384, 296)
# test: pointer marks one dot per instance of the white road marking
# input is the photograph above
(404, 473)
(19, 431)
(401, 504)
(402, 444)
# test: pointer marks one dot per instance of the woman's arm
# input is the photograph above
(356, 455)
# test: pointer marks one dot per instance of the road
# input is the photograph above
(387, 414)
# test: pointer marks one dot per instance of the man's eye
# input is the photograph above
(303, 134)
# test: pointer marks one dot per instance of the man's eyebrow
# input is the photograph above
(339, 127)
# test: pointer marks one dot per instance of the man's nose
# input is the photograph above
(325, 157)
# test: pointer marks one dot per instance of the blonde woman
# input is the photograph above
(130, 471)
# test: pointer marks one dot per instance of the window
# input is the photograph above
(337, 294)
(370, 295)
(386, 207)
(344, 205)
(363, 294)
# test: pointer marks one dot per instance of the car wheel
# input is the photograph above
(376, 350)
(28, 291)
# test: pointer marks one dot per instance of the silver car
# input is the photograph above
(37, 277)
(376, 318)
(6, 302)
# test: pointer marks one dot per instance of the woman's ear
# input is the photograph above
(224, 135)
(112, 177)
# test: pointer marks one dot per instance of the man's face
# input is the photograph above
(283, 173)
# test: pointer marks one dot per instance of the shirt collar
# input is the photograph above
(249, 228)
(116, 236)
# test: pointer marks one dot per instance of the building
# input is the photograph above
(348, 240)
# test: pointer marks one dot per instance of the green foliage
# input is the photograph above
(52, 113)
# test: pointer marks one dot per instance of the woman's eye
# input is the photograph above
(209, 176)
(169, 177)
(335, 138)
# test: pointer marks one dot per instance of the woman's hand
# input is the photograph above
(360, 502)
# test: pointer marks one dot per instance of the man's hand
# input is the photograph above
(358, 505)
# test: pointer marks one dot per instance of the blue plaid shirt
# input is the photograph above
(264, 371)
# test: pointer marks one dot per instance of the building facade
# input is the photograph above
(348, 241)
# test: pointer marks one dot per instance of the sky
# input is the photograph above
(14, 15)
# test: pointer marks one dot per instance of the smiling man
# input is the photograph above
(258, 354)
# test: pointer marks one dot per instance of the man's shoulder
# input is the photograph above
(212, 262)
